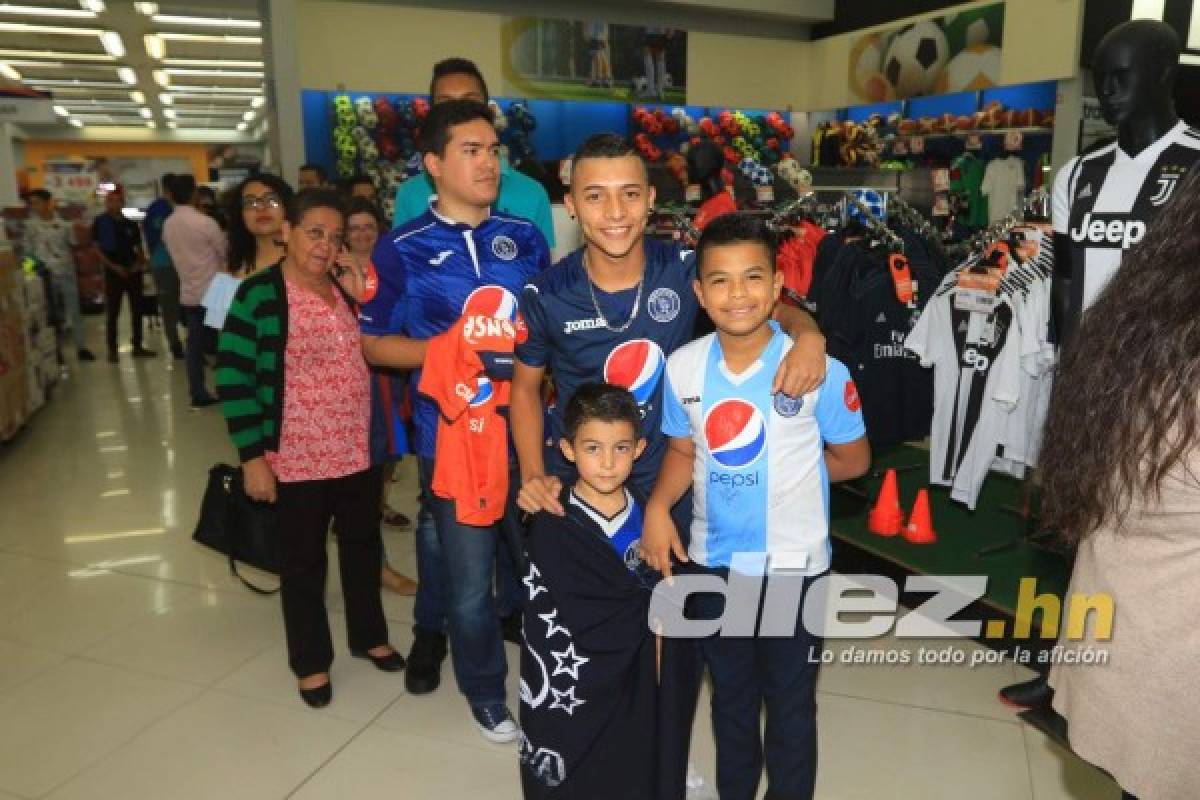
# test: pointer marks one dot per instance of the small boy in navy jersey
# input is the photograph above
(588, 685)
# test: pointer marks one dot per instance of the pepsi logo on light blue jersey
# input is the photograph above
(636, 365)
(568, 337)
(432, 270)
(735, 433)
(759, 479)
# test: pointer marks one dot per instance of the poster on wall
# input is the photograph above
(952, 53)
(560, 59)
(72, 182)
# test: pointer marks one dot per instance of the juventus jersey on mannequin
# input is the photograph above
(1103, 201)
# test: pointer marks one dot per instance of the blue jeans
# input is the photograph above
(67, 285)
(197, 344)
(746, 673)
(467, 570)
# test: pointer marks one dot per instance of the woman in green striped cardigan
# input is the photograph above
(295, 393)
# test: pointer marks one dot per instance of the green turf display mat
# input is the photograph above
(961, 535)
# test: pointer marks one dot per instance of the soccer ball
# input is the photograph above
(366, 113)
(499, 120)
(866, 62)
(876, 203)
(915, 59)
(976, 67)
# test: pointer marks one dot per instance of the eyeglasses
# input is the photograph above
(254, 203)
(317, 235)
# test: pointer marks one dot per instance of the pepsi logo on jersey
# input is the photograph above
(498, 303)
(636, 365)
(736, 434)
(484, 392)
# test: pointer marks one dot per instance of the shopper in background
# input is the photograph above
(118, 244)
(520, 195)
(298, 410)
(198, 250)
(1119, 475)
(311, 176)
(166, 279)
(389, 439)
(49, 238)
(255, 210)
(361, 186)
(205, 202)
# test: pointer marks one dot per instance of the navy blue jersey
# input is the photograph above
(426, 273)
(567, 336)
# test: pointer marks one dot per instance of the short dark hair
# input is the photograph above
(361, 205)
(309, 199)
(435, 133)
(317, 168)
(40, 194)
(602, 401)
(243, 246)
(607, 145)
(457, 66)
(355, 180)
(182, 187)
(165, 182)
(733, 228)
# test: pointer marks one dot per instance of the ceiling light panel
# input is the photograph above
(54, 55)
(113, 44)
(156, 48)
(42, 11)
(138, 97)
(64, 30)
(211, 62)
(127, 75)
(209, 38)
(207, 22)
(212, 73)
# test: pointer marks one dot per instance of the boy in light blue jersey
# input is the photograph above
(760, 466)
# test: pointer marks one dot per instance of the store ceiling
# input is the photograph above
(151, 70)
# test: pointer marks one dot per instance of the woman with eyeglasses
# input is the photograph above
(254, 212)
(389, 440)
(295, 393)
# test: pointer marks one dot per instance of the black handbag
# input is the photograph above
(238, 527)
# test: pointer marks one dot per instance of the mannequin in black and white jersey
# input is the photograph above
(1134, 70)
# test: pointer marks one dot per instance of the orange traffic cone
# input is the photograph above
(919, 529)
(886, 518)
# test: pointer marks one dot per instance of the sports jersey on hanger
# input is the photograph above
(1103, 201)
(759, 478)
(568, 336)
(427, 273)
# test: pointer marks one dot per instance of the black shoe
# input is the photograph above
(510, 627)
(204, 402)
(1030, 694)
(424, 672)
(178, 355)
(318, 697)
(112, 356)
(392, 662)
(141, 352)
(85, 355)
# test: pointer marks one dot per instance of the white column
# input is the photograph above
(1068, 115)
(281, 47)
(9, 196)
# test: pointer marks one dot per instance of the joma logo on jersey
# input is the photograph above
(1107, 230)
(574, 325)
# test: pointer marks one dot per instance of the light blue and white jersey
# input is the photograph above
(760, 483)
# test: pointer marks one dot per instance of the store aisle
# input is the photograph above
(133, 666)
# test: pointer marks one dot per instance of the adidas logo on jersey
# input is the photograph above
(574, 325)
(882, 318)
(1109, 230)
(1084, 193)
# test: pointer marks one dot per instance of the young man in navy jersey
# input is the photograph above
(613, 311)
(422, 277)
(759, 464)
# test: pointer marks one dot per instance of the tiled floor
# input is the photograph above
(133, 666)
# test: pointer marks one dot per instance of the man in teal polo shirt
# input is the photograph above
(520, 195)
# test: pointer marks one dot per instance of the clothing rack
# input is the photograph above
(874, 224)
(1033, 205)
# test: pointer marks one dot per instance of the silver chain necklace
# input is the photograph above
(637, 300)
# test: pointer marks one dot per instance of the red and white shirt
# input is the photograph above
(326, 394)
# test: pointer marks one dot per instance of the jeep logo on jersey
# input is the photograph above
(1109, 230)
(498, 303)
(636, 365)
(504, 248)
(786, 406)
(736, 433)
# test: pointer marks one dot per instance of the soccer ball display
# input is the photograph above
(976, 67)
(978, 26)
(866, 64)
(915, 59)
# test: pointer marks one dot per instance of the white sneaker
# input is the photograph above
(495, 723)
(697, 788)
